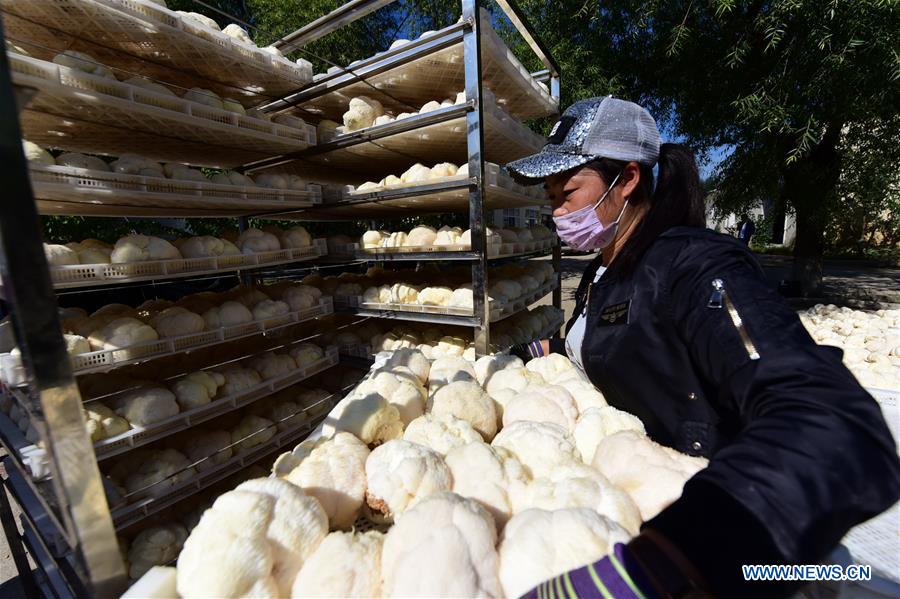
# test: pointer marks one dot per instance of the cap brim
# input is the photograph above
(533, 169)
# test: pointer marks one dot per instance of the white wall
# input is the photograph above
(729, 223)
(515, 217)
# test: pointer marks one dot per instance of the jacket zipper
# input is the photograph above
(719, 298)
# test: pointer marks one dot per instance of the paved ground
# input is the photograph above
(845, 280)
(9, 584)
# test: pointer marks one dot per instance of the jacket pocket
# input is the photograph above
(720, 299)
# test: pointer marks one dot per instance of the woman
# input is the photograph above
(682, 330)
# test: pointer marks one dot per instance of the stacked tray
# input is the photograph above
(100, 361)
(150, 500)
(495, 251)
(365, 353)
(153, 502)
(85, 275)
(432, 137)
(405, 85)
(445, 314)
(446, 194)
(128, 440)
(69, 190)
(142, 36)
(101, 115)
(136, 437)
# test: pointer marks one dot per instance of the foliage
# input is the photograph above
(868, 214)
(271, 20)
(762, 235)
(274, 19)
(575, 41)
(805, 91)
(788, 83)
(268, 21)
(235, 8)
(62, 229)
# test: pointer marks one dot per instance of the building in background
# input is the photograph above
(775, 225)
(521, 217)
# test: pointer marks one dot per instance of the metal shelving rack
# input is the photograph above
(69, 526)
(378, 146)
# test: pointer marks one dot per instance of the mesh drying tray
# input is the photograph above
(498, 310)
(365, 352)
(84, 275)
(435, 76)
(495, 250)
(136, 511)
(447, 194)
(393, 147)
(73, 188)
(140, 36)
(13, 373)
(137, 437)
(76, 111)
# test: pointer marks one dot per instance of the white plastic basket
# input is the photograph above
(501, 191)
(441, 75)
(137, 437)
(521, 303)
(104, 360)
(498, 310)
(395, 252)
(165, 494)
(81, 108)
(142, 36)
(83, 275)
(80, 189)
(505, 139)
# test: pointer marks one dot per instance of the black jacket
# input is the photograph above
(713, 361)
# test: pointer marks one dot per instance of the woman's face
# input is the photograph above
(580, 187)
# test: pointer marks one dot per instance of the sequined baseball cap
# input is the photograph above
(590, 129)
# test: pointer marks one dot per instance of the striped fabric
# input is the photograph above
(607, 579)
(527, 351)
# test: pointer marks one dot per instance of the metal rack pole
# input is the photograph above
(55, 396)
(475, 145)
(515, 14)
(247, 279)
(557, 291)
(342, 16)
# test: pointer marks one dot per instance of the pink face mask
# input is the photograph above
(582, 230)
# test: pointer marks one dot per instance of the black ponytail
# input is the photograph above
(677, 200)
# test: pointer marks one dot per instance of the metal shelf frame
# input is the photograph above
(74, 493)
(27, 286)
(349, 305)
(469, 31)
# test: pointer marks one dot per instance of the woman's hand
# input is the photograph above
(532, 349)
